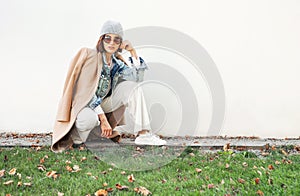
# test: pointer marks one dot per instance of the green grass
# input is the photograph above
(225, 172)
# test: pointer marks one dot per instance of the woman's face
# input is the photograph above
(111, 43)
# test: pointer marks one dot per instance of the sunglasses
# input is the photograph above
(107, 39)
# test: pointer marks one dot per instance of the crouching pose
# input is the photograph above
(99, 87)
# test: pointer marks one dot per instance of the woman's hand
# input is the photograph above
(128, 46)
(106, 130)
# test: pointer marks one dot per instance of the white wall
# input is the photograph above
(254, 43)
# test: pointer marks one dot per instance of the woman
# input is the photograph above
(98, 88)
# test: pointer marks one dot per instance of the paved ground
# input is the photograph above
(30, 139)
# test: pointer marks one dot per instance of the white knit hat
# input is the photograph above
(113, 27)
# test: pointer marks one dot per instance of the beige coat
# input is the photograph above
(80, 85)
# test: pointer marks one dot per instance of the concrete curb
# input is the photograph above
(34, 140)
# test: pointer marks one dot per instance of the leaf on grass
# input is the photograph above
(142, 190)
(52, 174)
(8, 194)
(163, 181)
(104, 172)
(19, 176)
(68, 162)
(198, 170)
(227, 166)
(68, 168)
(41, 167)
(105, 184)
(264, 154)
(42, 160)
(120, 187)
(192, 154)
(257, 180)
(123, 172)
(242, 181)
(60, 194)
(260, 193)
(270, 167)
(110, 169)
(226, 147)
(27, 184)
(101, 192)
(277, 162)
(259, 172)
(2, 172)
(12, 171)
(130, 178)
(8, 182)
(210, 186)
(89, 174)
(19, 183)
(222, 181)
(76, 168)
(83, 159)
(245, 164)
(110, 189)
(284, 152)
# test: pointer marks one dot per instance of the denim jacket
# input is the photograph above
(110, 78)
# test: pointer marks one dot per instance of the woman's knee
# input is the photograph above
(86, 120)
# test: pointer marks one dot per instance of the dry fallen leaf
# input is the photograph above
(89, 174)
(12, 171)
(68, 168)
(259, 172)
(240, 180)
(222, 181)
(227, 166)
(270, 167)
(260, 193)
(101, 192)
(198, 170)
(210, 186)
(142, 190)
(27, 184)
(226, 147)
(110, 189)
(76, 168)
(83, 159)
(42, 160)
(105, 184)
(192, 154)
(41, 167)
(120, 187)
(284, 152)
(2, 172)
(245, 164)
(257, 180)
(123, 172)
(277, 162)
(19, 176)
(50, 174)
(163, 181)
(19, 183)
(60, 194)
(130, 178)
(8, 182)
(68, 162)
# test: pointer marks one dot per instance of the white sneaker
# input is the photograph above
(149, 139)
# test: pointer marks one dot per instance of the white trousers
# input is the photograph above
(128, 95)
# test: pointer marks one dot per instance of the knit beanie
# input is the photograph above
(112, 27)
